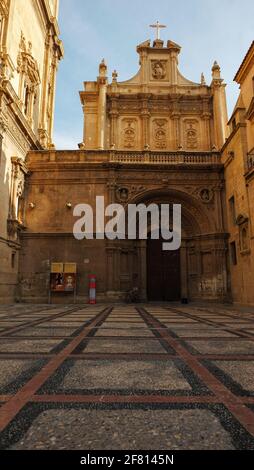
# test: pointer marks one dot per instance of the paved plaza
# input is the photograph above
(139, 377)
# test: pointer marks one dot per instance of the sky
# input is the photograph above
(207, 30)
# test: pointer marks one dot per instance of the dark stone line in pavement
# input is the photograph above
(243, 385)
(149, 369)
(176, 429)
(16, 372)
(214, 346)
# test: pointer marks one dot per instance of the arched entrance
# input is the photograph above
(163, 273)
(197, 271)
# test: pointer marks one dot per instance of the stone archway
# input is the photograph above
(200, 271)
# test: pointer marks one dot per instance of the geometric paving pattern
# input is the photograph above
(144, 377)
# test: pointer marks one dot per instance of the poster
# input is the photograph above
(62, 282)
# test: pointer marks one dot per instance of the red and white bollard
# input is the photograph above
(92, 289)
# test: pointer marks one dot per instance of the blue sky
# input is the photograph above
(211, 30)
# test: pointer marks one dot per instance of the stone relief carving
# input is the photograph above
(159, 69)
(26, 63)
(160, 133)
(129, 133)
(206, 195)
(124, 193)
(191, 134)
(18, 173)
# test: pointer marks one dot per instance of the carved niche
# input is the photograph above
(160, 134)
(28, 69)
(191, 134)
(129, 133)
(26, 63)
(159, 69)
(125, 193)
(16, 207)
(206, 195)
(122, 194)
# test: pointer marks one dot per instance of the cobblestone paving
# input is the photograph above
(141, 377)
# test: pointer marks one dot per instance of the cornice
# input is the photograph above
(51, 23)
(245, 65)
(239, 126)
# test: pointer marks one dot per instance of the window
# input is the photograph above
(232, 210)
(233, 124)
(233, 253)
(244, 239)
(13, 259)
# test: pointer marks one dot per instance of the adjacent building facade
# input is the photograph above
(30, 50)
(238, 160)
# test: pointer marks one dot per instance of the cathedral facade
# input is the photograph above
(156, 138)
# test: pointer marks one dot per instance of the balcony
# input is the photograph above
(121, 157)
(165, 158)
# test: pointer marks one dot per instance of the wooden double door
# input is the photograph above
(163, 273)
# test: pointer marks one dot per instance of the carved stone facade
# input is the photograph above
(151, 139)
(155, 138)
(157, 109)
(79, 176)
(28, 65)
(237, 156)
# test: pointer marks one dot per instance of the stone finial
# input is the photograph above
(103, 68)
(158, 44)
(203, 82)
(114, 76)
(216, 70)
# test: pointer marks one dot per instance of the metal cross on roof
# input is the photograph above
(158, 27)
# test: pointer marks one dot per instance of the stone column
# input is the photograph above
(102, 100)
(207, 117)
(44, 91)
(218, 202)
(174, 61)
(52, 98)
(219, 107)
(177, 130)
(114, 115)
(184, 270)
(143, 269)
(145, 119)
(110, 269)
